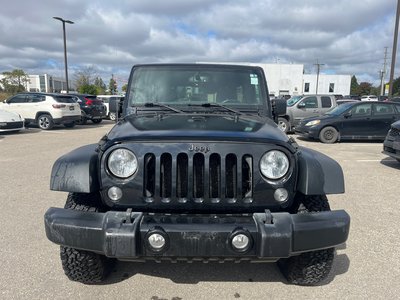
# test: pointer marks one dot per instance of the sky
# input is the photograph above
(347, 36)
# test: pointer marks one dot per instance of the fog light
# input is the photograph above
(114, 193)
(156, 241)
(240, 242)
(281, 195)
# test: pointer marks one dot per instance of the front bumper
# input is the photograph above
(123, 235)
(391, 147)
(310, 132)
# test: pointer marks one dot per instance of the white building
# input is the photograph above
(289, 79)
(44, 83)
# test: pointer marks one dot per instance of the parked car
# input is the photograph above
(106, 100)
(301, 107)
(44, 109)
(357, 120)
(345, 100)
(391, 145)
(10, 121)
(369, 98)
(92, 108)
(394, 99)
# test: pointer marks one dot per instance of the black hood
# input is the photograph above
(322, 118)
(196, 127)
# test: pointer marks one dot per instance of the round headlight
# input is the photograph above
(122, 163)
(274, 164)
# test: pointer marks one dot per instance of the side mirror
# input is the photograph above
(115, 105)
(301, 105)
(279, 107)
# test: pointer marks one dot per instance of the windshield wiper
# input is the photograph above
(152, 104)
(217, 105)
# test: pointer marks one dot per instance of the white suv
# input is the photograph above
(46, 110)
(369, 98)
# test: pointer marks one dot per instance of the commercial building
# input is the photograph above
(289, 79)
(44, 83)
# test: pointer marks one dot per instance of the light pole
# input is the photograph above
(65, 47)
(394, 50)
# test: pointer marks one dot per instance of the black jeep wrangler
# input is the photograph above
(197, 170)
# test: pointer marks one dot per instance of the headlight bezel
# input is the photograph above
(114, 173)
(312, 123)
(284, 175)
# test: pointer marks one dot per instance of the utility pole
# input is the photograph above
(65, 48)
(318, 69)
(383, 73)
(394, 50)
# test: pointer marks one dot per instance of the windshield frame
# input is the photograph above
(259, 85)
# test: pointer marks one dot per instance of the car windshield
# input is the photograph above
(336, 111)
(184, 85)
(293, 100)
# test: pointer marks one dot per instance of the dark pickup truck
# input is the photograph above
(197, 170)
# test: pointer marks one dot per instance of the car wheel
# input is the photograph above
(97, 121)
(113, 116)
(328, 135)
(309, 268)
(283, 125)
(83, 120)
(69, 125)
(45, 122)
(79, 265)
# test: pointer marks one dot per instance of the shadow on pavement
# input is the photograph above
(391, 162)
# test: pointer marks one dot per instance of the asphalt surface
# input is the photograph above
(368, 266)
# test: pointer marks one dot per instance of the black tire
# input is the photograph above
(83, 119)
(284, 125)
(97, 121)
(312, 267)
(328, 135)
(69, 125)
(79, 265)
(45, 122)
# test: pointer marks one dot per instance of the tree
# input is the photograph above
(124, 87)
(396, 87)
(88, 89)
(354, 85)
(14, 81)
(364, 88)
(85, 77)
(112, 86)
(100, 86)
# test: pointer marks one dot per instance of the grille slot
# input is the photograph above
(211, 178)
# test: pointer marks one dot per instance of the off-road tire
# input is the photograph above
(45, 122)
(328, 135)
(79, 265)
(283, 125)
(97, 121)
(312, 267)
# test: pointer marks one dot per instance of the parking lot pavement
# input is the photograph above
(368, 266)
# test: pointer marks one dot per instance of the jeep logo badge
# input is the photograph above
(203, 149)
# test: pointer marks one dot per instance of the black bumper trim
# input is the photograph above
(121, 234)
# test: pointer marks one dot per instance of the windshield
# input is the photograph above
(339, 109)
(175, 85)
(293, 100)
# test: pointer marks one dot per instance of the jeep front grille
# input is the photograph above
(197, 177)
